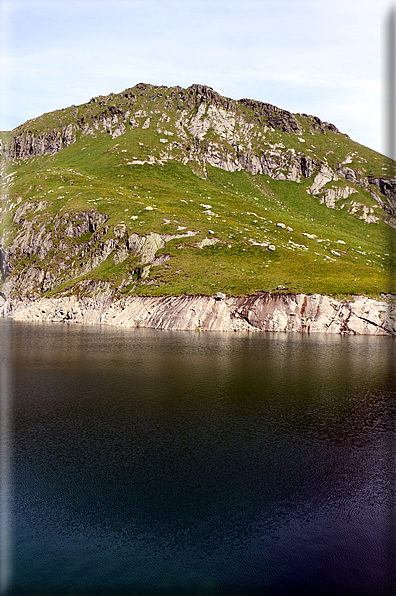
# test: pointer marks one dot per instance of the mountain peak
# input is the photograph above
(191, 178)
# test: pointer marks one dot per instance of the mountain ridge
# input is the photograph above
(24, 144)
(102, 194)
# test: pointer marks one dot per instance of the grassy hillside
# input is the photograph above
(259, 233)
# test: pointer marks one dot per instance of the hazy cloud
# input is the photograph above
(305, 56)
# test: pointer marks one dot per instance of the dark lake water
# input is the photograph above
(149, 462)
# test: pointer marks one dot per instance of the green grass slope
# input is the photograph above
(261, 233)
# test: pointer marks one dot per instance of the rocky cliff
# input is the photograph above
(262, 312)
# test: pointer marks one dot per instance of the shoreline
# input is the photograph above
(295, 313)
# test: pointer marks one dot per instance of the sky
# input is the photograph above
(320, 57)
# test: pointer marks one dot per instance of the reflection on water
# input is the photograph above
(175, 462)
(5, 463)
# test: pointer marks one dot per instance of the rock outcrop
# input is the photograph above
(199, 108)
(261, 312)
(46, 249)
(229, 134)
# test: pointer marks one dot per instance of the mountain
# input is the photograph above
(160, 191)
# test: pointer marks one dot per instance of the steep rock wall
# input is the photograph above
(261, 312)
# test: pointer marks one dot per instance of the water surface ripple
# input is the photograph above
(151, 462)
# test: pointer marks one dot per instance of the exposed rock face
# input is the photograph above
(146, 247)
(307, 166)
(70, 244)
(324, 176)
(81, 223)
(262, 312)
(275, 117)
(210, 129)
(388, 189)
(201, 109)
(45, 237)
(26, 144)
(332, 195)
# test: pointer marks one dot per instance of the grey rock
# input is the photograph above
(121, 254)
(68, 135)
(332, 195)
(325, 175)
(275, 117)
(119, 230)
(261, 312)
(207, 242)
(120, 130)
(307, 166)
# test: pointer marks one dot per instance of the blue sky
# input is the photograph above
(314, 56)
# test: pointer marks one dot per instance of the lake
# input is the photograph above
(149, 462)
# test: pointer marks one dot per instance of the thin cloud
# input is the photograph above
(305, 55)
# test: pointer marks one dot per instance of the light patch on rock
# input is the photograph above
(120, 255)
(207, 242)
(119, 230)
(324, 176)
(367, 213)
(332, 195)
(298, 246)
(146, 247)
(118, 131)
(160, 260)
(255, 243)
(255, 214)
